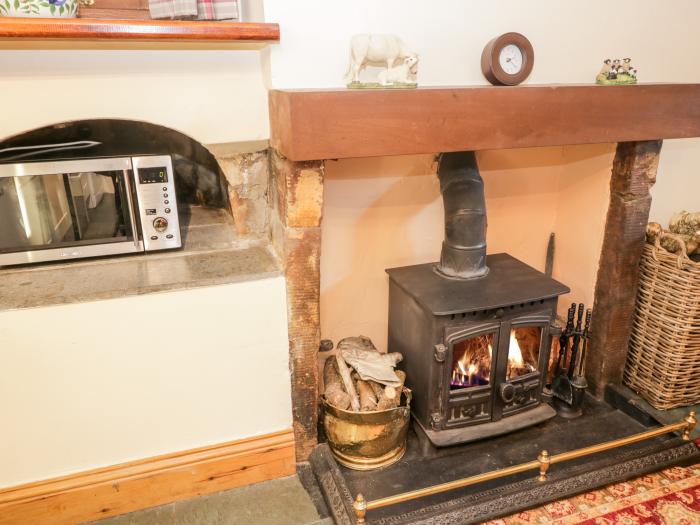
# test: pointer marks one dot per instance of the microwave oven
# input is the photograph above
(69, 209)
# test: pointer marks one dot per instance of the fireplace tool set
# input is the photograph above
(569, 383)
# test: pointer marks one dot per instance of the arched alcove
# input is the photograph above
(198, 176)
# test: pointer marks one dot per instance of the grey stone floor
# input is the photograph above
(278, 502)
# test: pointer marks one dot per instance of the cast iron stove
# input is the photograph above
(475, 331)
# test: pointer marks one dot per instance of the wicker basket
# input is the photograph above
(663, 363)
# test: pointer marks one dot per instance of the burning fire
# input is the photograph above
(515, 356)
(471, 370)
(474, 365)
(516, 364)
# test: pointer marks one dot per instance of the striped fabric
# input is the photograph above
(195, 9)
(217, 10)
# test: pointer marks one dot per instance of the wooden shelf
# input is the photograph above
(137, 30)
(342, 123)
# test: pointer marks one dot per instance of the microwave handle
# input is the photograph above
(132, 209)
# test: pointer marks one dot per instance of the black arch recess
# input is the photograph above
(198, 175)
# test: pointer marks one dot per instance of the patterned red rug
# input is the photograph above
(669, 497)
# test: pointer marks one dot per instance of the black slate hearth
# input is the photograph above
(424, 465)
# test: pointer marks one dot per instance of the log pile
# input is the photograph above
(361, 379)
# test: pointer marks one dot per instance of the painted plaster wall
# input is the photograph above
(387, 212)
(213, 95)
(96, 384)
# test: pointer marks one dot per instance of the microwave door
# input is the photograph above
(66, 215)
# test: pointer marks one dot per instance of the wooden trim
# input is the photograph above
(340, 123)
(91, 29)
(110, 491)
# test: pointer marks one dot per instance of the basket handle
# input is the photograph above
(682, 257)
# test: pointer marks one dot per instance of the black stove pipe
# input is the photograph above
(464, 248)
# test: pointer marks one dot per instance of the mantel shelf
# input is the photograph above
(341, 123)
(137, 30)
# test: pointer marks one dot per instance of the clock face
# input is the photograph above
(507, 60)
(511, 59)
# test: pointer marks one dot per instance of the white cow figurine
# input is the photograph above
(377, 50)
(401, 74)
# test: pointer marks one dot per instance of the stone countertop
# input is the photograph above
(211, 255)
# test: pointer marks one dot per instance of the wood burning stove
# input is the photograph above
(475, 331)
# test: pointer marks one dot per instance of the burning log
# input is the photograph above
(527, 339)
(474, 366)
(334, 392)
(347, 382)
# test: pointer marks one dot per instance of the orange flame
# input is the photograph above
(515, 356)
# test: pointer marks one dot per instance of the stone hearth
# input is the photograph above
(424, 466)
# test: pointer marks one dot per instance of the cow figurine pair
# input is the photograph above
(617, 72)
(387, 51)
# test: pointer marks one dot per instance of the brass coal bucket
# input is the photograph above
(368, 440)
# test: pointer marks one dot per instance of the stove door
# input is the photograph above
(468, 384)
(524, 344)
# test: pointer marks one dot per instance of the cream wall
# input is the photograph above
(677, 185)
(570, 39)
(386, 212)
(213, 95)
(96, 384)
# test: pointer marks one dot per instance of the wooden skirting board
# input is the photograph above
(110, 491)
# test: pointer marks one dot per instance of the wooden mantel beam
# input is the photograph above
(342, 123)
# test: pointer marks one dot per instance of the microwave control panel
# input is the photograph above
(157, 202)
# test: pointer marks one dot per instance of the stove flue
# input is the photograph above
(464, 248)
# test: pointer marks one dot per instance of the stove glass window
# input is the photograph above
(471, 362)
(523, 351)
